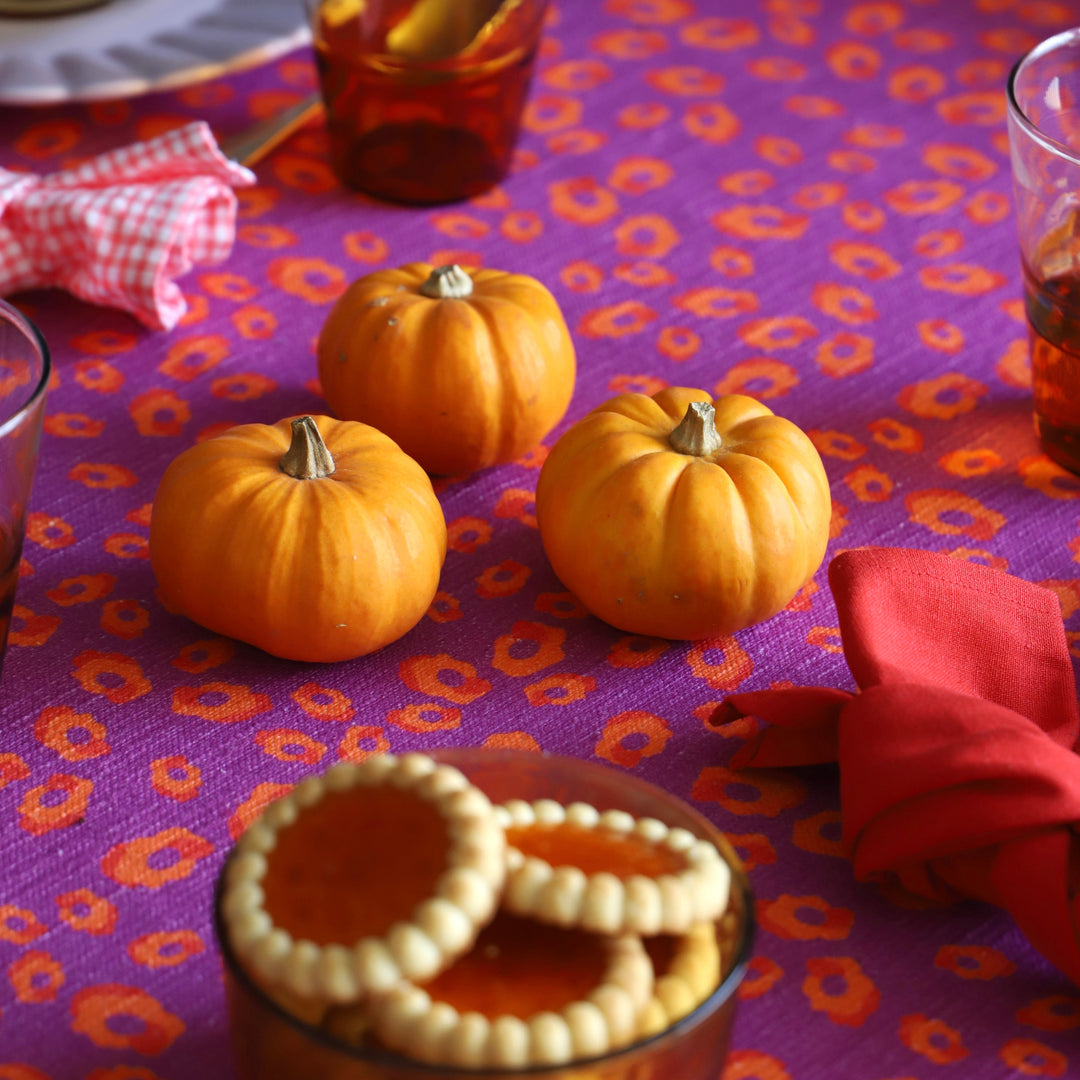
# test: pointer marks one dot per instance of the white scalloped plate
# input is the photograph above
(130, 47)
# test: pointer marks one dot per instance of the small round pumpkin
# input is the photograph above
(314, 539)
(461, 368)
(681, 517)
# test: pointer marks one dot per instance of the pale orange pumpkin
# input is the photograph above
(461, 368)
(313, 539)
(681, 517)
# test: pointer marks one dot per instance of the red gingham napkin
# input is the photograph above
(118, 228)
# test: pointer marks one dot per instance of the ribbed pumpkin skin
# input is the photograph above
(457, 384)
(319, 570)
(668, 545)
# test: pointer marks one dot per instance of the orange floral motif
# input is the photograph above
(35, 977)
(1033, 1058)
(74, 736)
(312, 279)
(638, 174)
(175, 777)
(644, 274)
(528, 648)
(809, 834)
(562, 605)
(804, 918)
(576, 76)
(443, 676)
(98, 375)
(732, 668)
(634, 651)
(102, 476)
(712, 122)
(826, 638)
(191, 357)
(1058, 1012)
(895, 435)
(863, 259)
(93, 1007)
(104, 342)
(761, 222)
(777, 332)
(165, 948)
(515, 503)
(127, 546)
(1044, 475)
(636, 384)
(125, 619)
(716, 302)
(762, 974)
(850, 1006)
(678, 343)
(262, 795)
(844, 302)
(159, 413)
(943, 397)
(201, 656)
(978, 461)
(581, 276)
(753, 849)
(19, 926)
(641, 117)
(154, 861)
(616, 320)
(836, 444)
(288, 744)
(307, 174)
(85, 911)
(869, 484)
(743, 794)
(360, 741)
(49, 138)
(73, 426)
(41, 811)
(929, 508)
(426, 717)
(845, 353)
(732, 262)
(505, 579)
(915, 83)
(987, 207)
(271, 237)
(813, 107)
(980, 962)
(761, 378)
(444, 608)
(565, 689)
(853, 60)
(112, 675)
(323, 703)
(863, 216)
(645, 236)
(221, 702)
(242, 386)
(582, 200)
(629, 44)
(778, 150)
(719, 33)
(82, 589)
(630, 736)
(776, 69)
(934, 1039)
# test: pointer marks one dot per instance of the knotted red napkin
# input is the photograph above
(118, 228)
(957, 763)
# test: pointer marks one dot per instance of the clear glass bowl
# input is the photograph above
(270, 1044)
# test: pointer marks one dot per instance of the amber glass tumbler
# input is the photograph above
(418, 130)
(270, 1044)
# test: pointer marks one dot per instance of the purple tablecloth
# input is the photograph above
(801, 200)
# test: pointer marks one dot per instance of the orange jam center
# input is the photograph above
(518, 967)
(353, 864)
(595, 850)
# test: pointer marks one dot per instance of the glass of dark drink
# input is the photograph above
(24, 376)
(1044, 141)
(424, 97)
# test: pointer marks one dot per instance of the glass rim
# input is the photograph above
(394, 64)
(1017, 114)
(11, 314)
(727, 986)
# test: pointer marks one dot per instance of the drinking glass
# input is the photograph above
(24, 376)
(417, 126)
(1044, 141)
(271, 1044)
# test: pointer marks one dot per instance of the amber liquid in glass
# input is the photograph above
(9, 576)
(1053, 312)
(424, 133)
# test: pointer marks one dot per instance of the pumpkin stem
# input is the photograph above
(696, 434)
(307, 457)
(447, 283)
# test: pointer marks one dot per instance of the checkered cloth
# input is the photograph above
(117, 229)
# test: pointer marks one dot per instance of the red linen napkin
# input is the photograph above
(118, 228)
(957, 764)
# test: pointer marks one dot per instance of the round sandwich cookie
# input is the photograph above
(687, 969)
(608, 871)
(361, 877)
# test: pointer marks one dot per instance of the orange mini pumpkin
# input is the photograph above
(462, 369)
(313, 539)
(681, 517)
